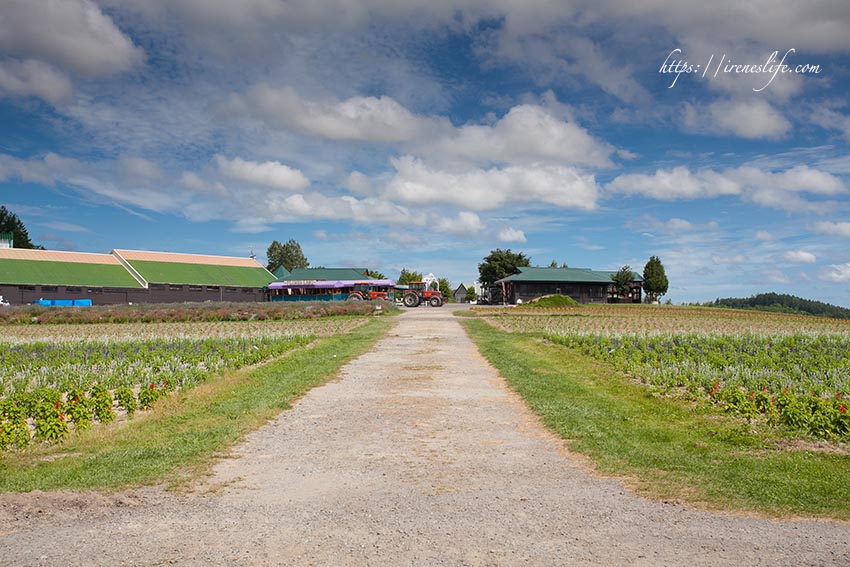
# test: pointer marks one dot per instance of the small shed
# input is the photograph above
(460, 294)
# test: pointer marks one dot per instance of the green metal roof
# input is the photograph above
(280, 272)
(565, 275)
(325, 274)
(201, 274)
(41, 272)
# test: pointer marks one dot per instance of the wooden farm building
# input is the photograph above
(129, 276)
(583, 285)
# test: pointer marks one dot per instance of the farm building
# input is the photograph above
(324, 284)
(582, 284)
(129, 276)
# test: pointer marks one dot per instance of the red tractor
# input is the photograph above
(365, 291)
(418, 293)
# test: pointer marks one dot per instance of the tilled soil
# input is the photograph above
(418, 455)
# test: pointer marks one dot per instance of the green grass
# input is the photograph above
(184, 433)
(201, 274)
(34, 272)
(664, 448)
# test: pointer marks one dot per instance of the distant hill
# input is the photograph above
(783, 303)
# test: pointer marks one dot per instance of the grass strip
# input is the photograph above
(664, 448)
(185, 432)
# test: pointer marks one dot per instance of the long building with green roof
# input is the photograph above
(129, 276)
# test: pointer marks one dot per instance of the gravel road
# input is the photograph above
(418, 455)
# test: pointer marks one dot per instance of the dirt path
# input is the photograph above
(418, 456)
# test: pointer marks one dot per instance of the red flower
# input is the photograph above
(842, 408)
(56, 405)
(153, 386)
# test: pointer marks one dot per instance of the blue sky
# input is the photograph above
(393, 133)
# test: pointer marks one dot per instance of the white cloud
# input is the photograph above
(34, 78)
(751, 119)
(799, 257)
(677, 183)
(526, 134)
(71, 34)
(416, 183)
(838, 273)
(139, 169)
(780, 190)
(509, 234)
(271, 174)
(65, 227)
(833, 228)
(764, 236)
(465, 224)
(832, 120)
(373, 119)
(734, 259)
(359, 183)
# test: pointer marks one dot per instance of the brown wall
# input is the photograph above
(157, 293)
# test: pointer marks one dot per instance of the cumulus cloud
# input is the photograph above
(799, 257)
(34, 78)
(360, 118)
(764, 236)
(70, 34)
(674, 184)
(464, 224)
(838, 273)
(271, 174)
(416, 183)
(526, 134)
(751, 119)
(509, 234)
(780, 190)
(833, 228)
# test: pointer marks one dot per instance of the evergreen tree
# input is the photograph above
(288, 255)
(654, 279)
(11, 224)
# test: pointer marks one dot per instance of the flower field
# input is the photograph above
(58, 378)
(652, 320)
(792, 371)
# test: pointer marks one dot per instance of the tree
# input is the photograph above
(445, 287)
(288, 255)
(654, 279)
(501, 264)
(471, 295)
(554, 264)
(623, 280)
(11, 224)
(405, 277)
(375, 275)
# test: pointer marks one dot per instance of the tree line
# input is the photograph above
(782, 303)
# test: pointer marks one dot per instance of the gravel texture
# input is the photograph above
(418, 455)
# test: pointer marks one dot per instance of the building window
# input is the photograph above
(49, 288)
(174, 287)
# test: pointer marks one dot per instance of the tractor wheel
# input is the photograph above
(411, 300)
(355, 297)
(436, 302)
